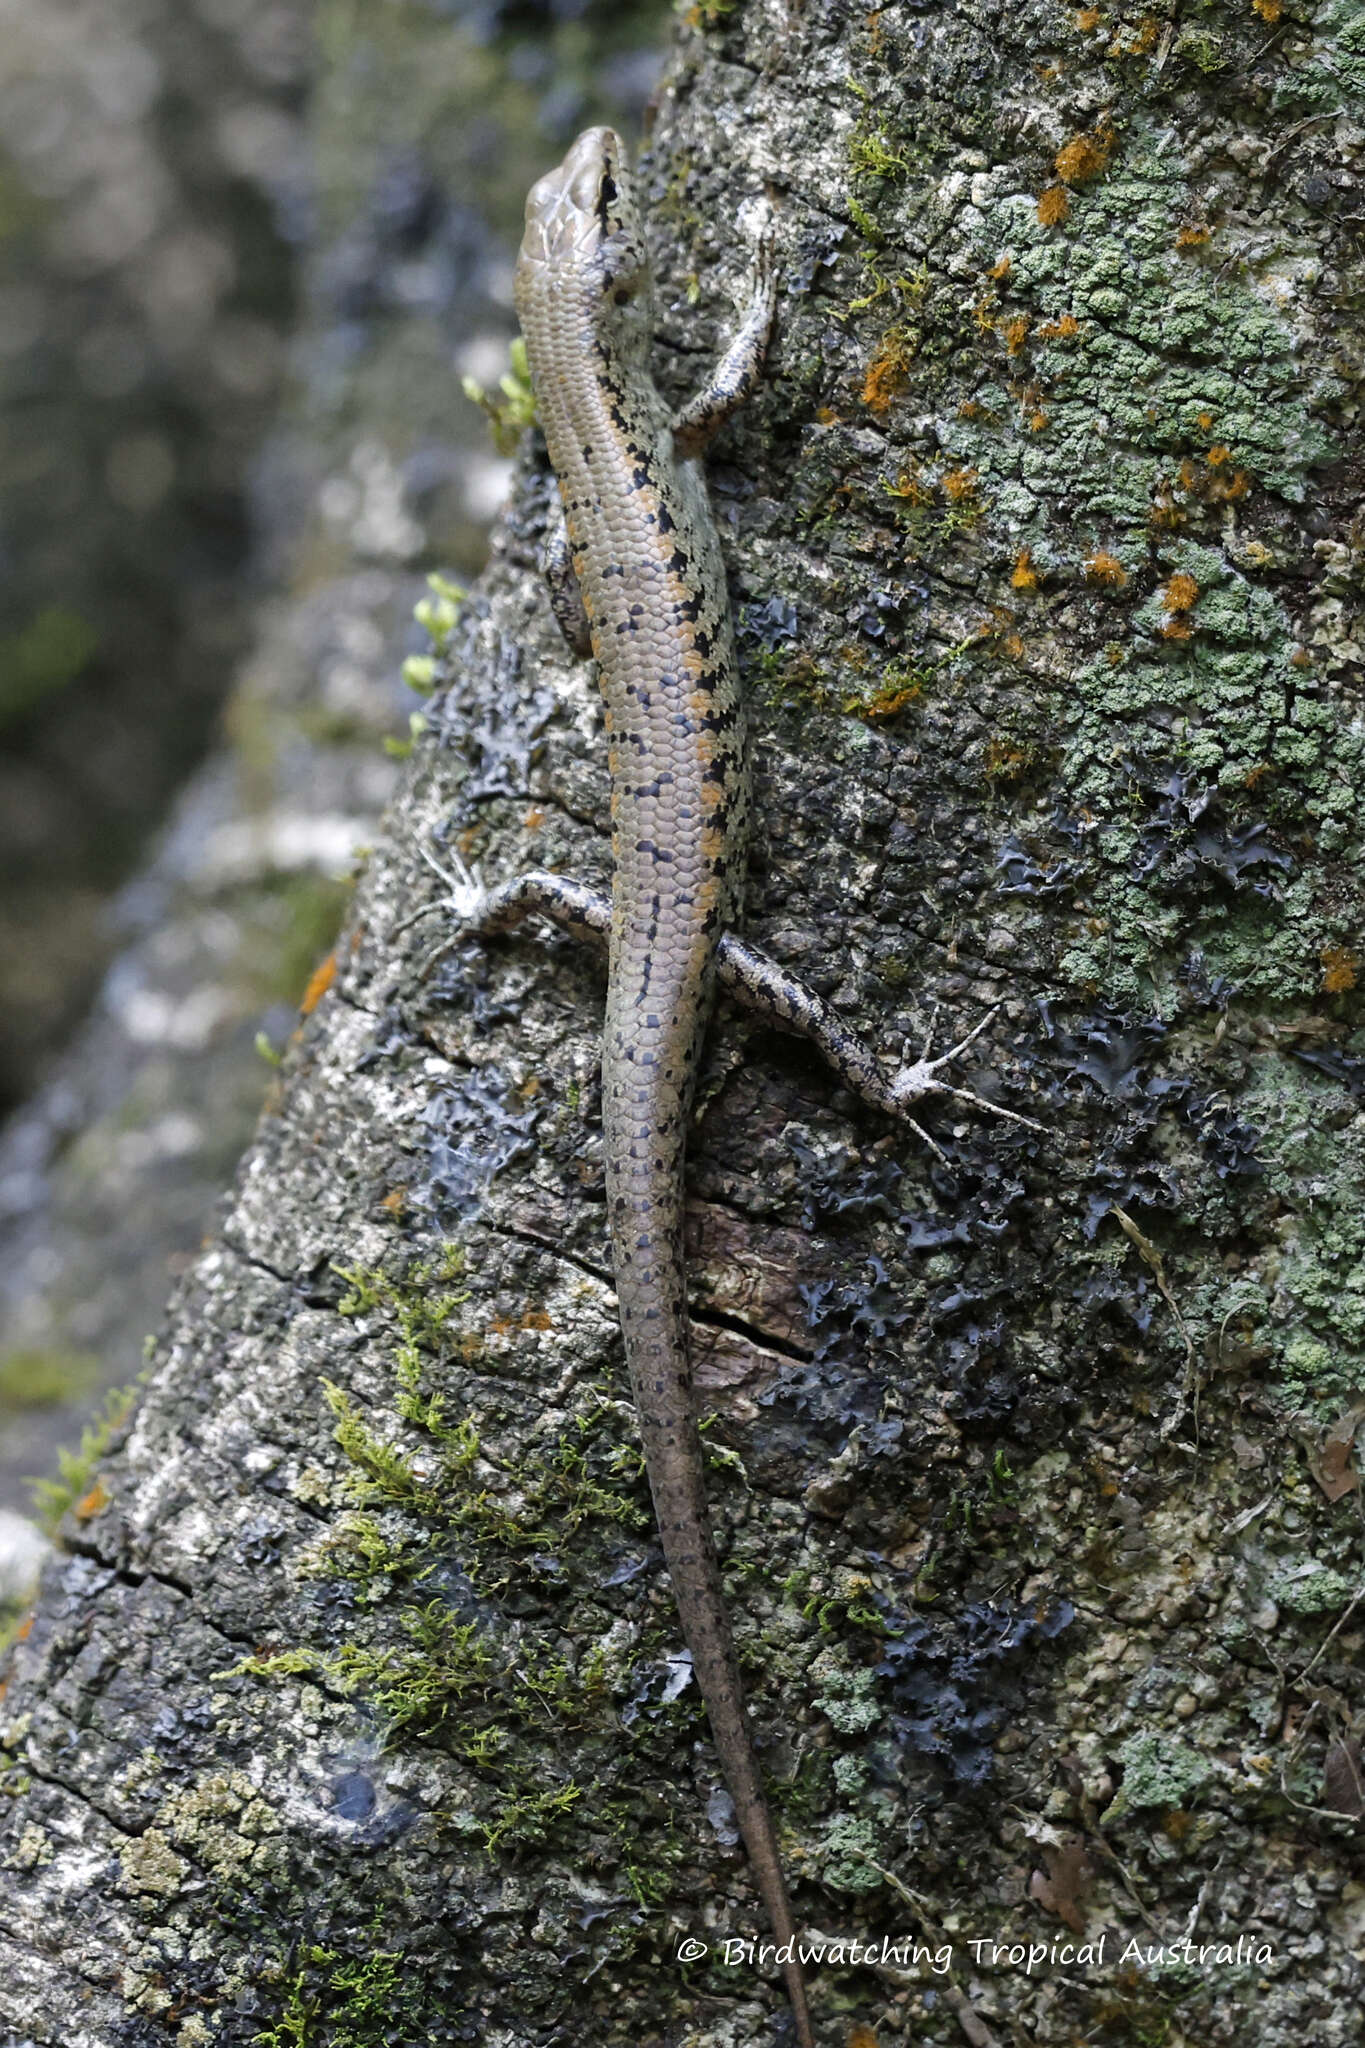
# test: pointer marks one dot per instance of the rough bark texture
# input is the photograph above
(353, 1714)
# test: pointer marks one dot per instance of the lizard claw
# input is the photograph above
(468, 898)
(920, 1077)
(464, 903)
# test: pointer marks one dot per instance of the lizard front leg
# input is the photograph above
(737, 374)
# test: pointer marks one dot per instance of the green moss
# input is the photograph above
(301, 914)
(510, 415)
(349, 2001)
(76, 1469)
(429, 1502)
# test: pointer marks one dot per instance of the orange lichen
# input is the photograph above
(1269, 10)
(1339, 970)
(91, 1504)
(1088, 20)
(1191, 236)
(887, 703)
(1085, 156)
(1180, 593)
(319, 982)
(827, 416)
(1205, 420)
(1013, 645)
(1209, 482)
(959, 484)
(1037, 421)
(1107, 569)
(1024, 576)
(1065, 329)
(1053, 206)
(1016, 333)
(910, 487)
(1005, 761)
(1145, 39)
(1177, 628)
(394, 1201)
(1000, 269)
(886, 373)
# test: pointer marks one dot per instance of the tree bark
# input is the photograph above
(354, 1712)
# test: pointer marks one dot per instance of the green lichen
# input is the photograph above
(1311, 1588)
(1158, 1770)
(845, 1696)
(1314, 1303)
(1331, 77)
(848, 1851)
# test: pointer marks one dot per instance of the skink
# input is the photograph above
(643, 587)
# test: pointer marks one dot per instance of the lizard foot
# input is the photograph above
(920, 1078)
(465, 903)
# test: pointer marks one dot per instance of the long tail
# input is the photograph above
(644, 1202)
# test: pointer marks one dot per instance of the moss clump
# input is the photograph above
(510, 415)
(348, 2001)
(76, 1469)
(435, 1525)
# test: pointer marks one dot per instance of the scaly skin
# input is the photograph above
(649, 571)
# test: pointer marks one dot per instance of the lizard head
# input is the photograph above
(583, 238)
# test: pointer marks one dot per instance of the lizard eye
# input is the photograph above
(606, 199)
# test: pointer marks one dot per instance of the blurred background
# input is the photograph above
(249, 249)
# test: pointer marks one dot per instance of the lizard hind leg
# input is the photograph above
(760, 984)
(478, 910)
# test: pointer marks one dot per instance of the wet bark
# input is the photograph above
(353, 1712)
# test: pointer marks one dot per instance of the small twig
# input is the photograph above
(1335, 1629)
(968, 2018)
(1198, 1906)
(1189, 1391)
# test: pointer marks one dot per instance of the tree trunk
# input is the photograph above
(354, 1712)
